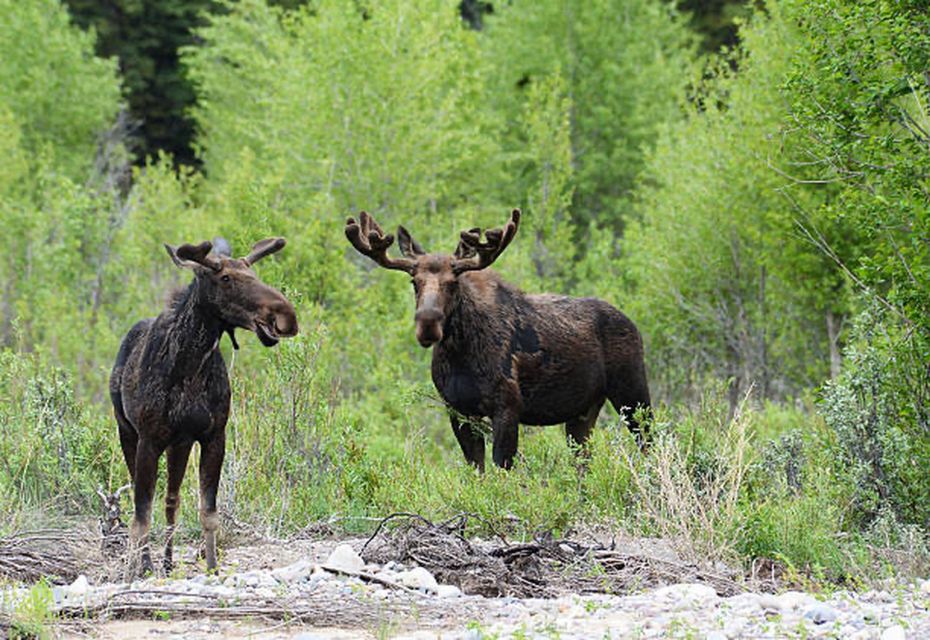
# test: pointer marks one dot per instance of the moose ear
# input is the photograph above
(189, 256)
(408, 246)
(221, 247)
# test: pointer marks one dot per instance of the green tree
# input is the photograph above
(726, 284)
(145, 35)
(624, 87)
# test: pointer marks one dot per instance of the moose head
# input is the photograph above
(434, 275)
(231, 290)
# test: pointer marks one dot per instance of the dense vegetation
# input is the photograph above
(762, 215)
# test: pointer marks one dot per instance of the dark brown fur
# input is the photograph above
(515, 358)
(169, 385)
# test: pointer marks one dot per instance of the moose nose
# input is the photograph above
(428, 316)
(429, 326)
(284, 319)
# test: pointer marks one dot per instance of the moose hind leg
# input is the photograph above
(146, 469)
(211, 464)
(177, 455)
(471, 441)
(627, 399)
(128, 441)
(578, 429)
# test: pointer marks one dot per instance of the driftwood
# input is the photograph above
(543, 568)
(317, 609)
(59, 555)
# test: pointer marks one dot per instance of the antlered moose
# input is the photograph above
(516, 358)
(170, 388)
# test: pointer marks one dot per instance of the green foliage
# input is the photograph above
(624, 87)
(33, 615)
(54, 449)
(59, 96)
(735, 211)
(725, 285)
(146, 35)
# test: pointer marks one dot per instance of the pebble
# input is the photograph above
(894, 633)
(448, 591)
(296, 572)
(345, 558)
(678, 610)
(820, 613)
(418, 578)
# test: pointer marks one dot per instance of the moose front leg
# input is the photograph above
(211, 463)
(471, 440)
(177, 456)
(505, 425)
(506, 431)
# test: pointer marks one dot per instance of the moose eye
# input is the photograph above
(225, 277)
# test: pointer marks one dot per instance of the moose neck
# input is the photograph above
(476, 314)
(194, 331)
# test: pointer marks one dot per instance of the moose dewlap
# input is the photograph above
(513, 357)
(170, 388)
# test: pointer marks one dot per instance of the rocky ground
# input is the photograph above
(315, 590)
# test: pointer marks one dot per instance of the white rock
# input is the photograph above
(744, 601)
(318, 577)
(925, 587)
(418, 578)
(795, 601)
(894, 633)
(345, 558)
(448, 591)
(687, 595)
(79, 587)
(821, 613)
(296, 572)
(716, 635)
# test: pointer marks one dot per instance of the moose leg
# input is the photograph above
(472, 442)
(578, 429)
(128, 440)
(211, 463)
(627, 398)
(177, 464)
(146, 468)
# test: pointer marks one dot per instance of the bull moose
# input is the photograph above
(513, 357)
(170, 388)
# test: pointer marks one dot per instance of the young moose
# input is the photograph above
(169, 385)
(497, 352)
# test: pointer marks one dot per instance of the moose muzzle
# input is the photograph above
(429, 326)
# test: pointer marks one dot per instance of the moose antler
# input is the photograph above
(188, 255)
(264, 248)
(370, 240)
(472, 254)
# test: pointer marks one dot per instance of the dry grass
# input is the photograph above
(698, 513)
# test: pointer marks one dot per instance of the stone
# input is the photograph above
(296, 572)
(795, 601)
(925, 587)
(687, 595)
(418, 578)
(79, 587)
(345, 558)
(448, 591)
(744, 601)
(894, 633)
(716, 635)
(821, 613)
(318, 577)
